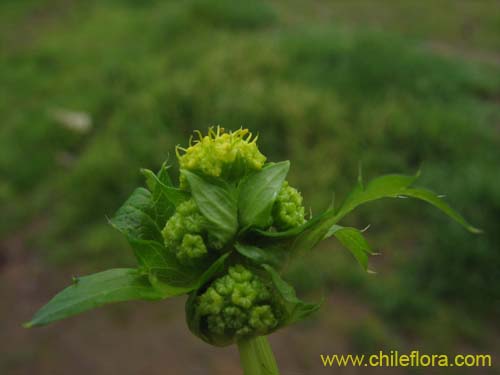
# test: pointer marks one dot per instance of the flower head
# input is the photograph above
(219, 154)
(288, 211)
(238, 305)
(184, 234)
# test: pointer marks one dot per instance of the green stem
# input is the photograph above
(256, 357)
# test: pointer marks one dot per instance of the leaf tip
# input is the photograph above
(28, 324)
(145, 172)
(475, 230)
(365, 228)
(418, 173)
(360, 173)
(332, 203)
(165, 163)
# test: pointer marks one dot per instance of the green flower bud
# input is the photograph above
(211, 302)
(192, 247)
(288, 211)
(243, 295)
(224, 286)
(184, 233)
(262, 293)
(216, 324)
(240, 273)
(234, 317)
(262, 318)
(237, 305)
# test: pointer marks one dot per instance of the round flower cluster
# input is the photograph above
(238, 305)
(184, 233)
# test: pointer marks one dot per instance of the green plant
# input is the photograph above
(224, 237)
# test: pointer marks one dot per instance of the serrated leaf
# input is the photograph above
(217, 202)
(145, 213)
(88, 292)
(258, 192)
(354, 241)
(432, 198)
(161, 207)
(296, 308)
(272, 256)
(134, 218)
(389, 186)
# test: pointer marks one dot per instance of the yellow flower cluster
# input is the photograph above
(220, 154)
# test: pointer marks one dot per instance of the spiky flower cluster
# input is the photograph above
(219, 154)
(288, 211)
(238, 305)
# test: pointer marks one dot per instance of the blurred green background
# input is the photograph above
(93, 90)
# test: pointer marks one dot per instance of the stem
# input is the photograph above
(256, 357)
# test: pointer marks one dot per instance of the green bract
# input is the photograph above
(223, 236)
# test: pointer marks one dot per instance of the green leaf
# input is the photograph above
(166, 273)
(216, 268)
(308, 238)
(153, 254)
(88, 292)
(273, 256)
(161, 207)
(134, 218)
(193, 317)
(354, 241)
(144, 213)
(389, 186)
(432, 198)
(392, 185)
(296, 309)
(162, 188)
(174, 280)
(258, 193)
(217, 202)
(162, 176)
(294, 231)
